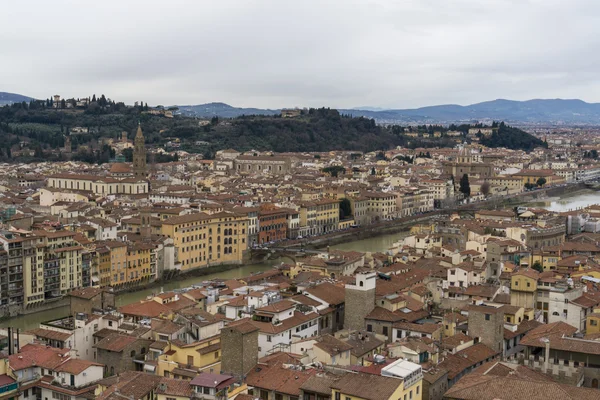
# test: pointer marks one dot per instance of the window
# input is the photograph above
(487, 317)
(385, 330)
(268, 338)
(369, 328)
(206, 390)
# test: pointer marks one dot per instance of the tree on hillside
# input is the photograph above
(485, 188)
(538, 266)
(465, 187)
(345, 208)
(541, 182)
(334, 170)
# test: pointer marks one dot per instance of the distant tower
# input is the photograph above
(139, 155)
(360, 300)
(145, 227)
(124, 137)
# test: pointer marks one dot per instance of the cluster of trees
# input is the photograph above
(317, 129)
(511, 138)
(539, 183)
(334, 170)
(591, 154)
(464, 185)
(345, 209)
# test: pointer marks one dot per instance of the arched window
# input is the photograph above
(143, 350)
(361, 283)
(132, 353)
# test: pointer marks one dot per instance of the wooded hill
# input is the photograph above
(39, 126)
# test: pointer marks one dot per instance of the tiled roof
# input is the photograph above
(49, 334)
(115, 342)
(332, 345)
(421, 328)
(147, 309)
(76, 366)
(383, 314)
(37, 355)
(174, 387)
(490, 387)
(329, 293)
(367, 386)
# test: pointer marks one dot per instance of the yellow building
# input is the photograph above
(451, 321)
(360, 387)
(201, 239)
(327, 215)
(112, 263)
(592, 323)
(308, 219)
(179, 358)
(523, 288)
(141, 262)
(515, 314)
(60, 254)
(548, 260)
(531, 176)
(382, 205)
(101, 267)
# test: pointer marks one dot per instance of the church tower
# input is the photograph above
(139, 155)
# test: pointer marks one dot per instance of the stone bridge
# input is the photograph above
(273, 253)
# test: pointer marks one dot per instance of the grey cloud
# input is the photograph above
(270, 53)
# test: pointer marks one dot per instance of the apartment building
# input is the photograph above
(328, 215)
(382, 206)
(272, 222)
(201, 239)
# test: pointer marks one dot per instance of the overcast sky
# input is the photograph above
(280, 53)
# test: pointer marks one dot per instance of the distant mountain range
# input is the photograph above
(539, 111)
(9, 98)
(223, 110)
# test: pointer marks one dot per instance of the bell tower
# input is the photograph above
(139, 155)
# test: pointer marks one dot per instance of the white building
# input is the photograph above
(280, 325)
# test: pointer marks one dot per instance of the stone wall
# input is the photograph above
(359, 303)
(117, 362)
(239, 352)
(489, 331)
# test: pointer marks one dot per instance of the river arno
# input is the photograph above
(373, 244)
